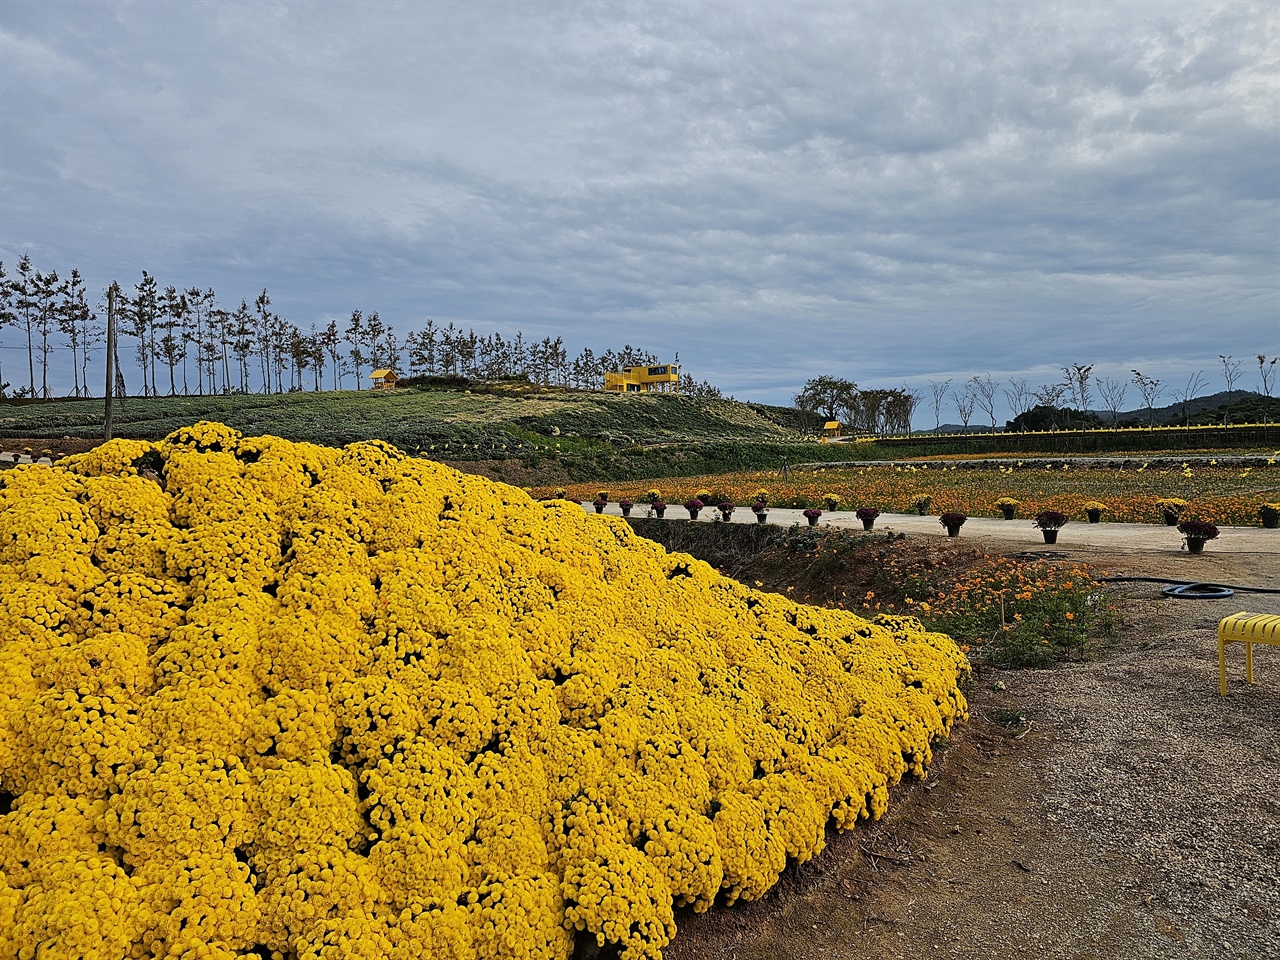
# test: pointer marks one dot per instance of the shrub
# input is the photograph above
(866, 513)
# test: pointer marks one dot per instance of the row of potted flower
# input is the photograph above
(1049, 522)
(1197, 532)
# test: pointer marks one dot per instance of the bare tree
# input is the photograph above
(1230, 373)
(984, 390)
(1150, 388)
(1267, 373)
(1018, 393)
(1077, 377)
(966, 402)
(1112, 391)
(1195, 384)
(939, 390)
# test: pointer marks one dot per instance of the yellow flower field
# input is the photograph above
(1222, 495)
(312, 703)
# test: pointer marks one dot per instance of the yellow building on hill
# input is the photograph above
(660, 379)
(383, 379)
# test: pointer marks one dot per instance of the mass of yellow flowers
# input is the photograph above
(275, 699)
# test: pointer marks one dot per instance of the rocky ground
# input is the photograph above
(1114, 808)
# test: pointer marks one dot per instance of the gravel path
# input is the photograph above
(1020, 533)
(1118, 808)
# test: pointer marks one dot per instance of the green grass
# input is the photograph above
(592, 435)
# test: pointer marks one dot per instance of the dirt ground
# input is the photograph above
(1118, 808)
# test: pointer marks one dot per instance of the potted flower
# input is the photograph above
(761, 509)
(812, 515)
(831, 501)
(653, 496)
(868, 516)
(558, 493)
(599, 503)
(726, 510)
(1008, 506)
(1093, 509)
(603, 495)
(1197, 532)
(1170, 509)
(704, 495)
(952, 521)
(693, 506)
(1269, 513)
(1050, 522)
(921, 504)
(761, 496)
(657, 507)
(626, 506)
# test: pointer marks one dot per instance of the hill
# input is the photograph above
(553, 434)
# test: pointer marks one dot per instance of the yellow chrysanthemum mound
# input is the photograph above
(260, 698)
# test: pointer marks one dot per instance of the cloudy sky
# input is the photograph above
(885, 192)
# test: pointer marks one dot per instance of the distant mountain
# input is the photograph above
(1240, 406)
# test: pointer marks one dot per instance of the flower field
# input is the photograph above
(301, 702)
(1221, 495)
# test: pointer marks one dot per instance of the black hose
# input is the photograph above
(1198, 591)
(1191, 589)
(1177, 589)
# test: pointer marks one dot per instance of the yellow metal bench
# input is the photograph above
(1246, 628)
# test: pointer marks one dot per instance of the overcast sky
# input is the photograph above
(889, 193)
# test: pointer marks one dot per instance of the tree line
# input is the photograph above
(1079, 399)
(185, 342)
(876, 412)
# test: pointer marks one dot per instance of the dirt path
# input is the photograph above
(1112, 809)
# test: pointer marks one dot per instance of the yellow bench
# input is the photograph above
(1246, 628)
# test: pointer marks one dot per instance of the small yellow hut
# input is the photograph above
(384, 379)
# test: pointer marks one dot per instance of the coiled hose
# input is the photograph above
(1192, 590)
(1177, 589)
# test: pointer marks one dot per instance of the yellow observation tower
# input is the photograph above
(660, 379)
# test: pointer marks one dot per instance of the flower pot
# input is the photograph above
(659, 511)
(1094, 515)
(1195, 545)
(813, 521)
(953, 530)
(1008, 512)
(869, 524)
(626, 511)
(1271, 523)
(921, 510)
(599, 507)
(762, 518)
(693, 514)
(1050, 536)
(1170, 518)
(726, 517)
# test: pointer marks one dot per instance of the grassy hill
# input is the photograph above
(572, 434)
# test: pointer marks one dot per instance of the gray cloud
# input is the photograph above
(886, 192)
